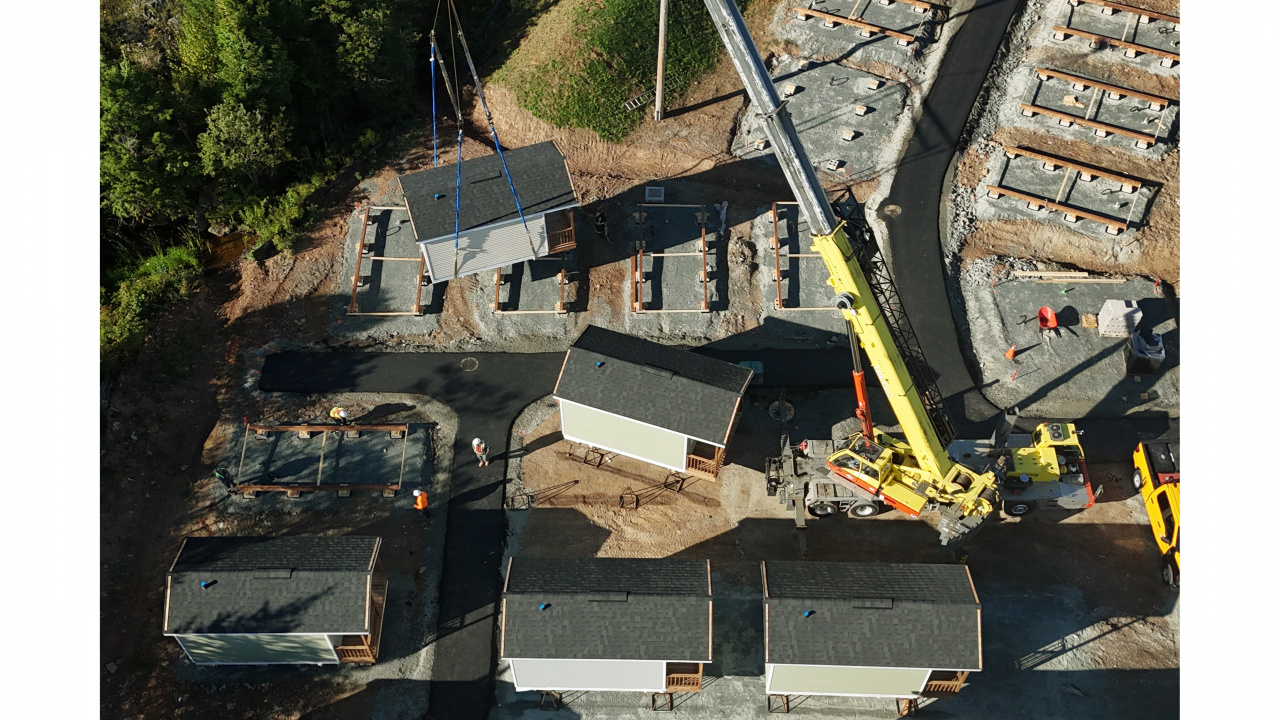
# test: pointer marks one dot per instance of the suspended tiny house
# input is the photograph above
(488, 212)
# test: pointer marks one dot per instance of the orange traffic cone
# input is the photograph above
(1011, 351)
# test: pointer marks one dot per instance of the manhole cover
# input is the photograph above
(892, 210)
(781, 410)
(469, 364)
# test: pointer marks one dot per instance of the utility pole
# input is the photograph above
(662, 59)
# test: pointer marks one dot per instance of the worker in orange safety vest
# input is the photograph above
(420, 502)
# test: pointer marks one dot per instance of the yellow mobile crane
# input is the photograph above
(869, 469)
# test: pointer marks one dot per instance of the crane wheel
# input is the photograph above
(1169, 575)
(864, 510)
(1018, 508)
(821, 509)
(844, 301)
(1137, 480)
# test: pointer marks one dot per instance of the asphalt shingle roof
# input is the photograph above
(653, 383)
(608, 608)
(537, 171)
(271, 585)
(872, 615)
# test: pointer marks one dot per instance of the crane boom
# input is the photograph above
(777, 120)
(916, 401)
(905, 475)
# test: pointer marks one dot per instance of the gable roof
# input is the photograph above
(292, 584)
(871, 615)
(538, 172)
(653, 383)
(607, 608)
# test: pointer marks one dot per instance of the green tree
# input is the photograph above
(253, 64)
(243, 142)
(375, 49)
(146, 166)
(198, 42)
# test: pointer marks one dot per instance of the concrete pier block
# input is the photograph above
(1028, 113)
(1108, 11)
(873, 84)
(903, 43)
(1032, 205)
(1086, 177)
(1113, 95)
(1113, 230)
(1049, 166)
(1066, 123)
(761, 144)
(1069, 217)
(788, 90)
(860, 110)
(1077, 86)
(1144, 19)
(1100, 132)
(1130, 53)
(993, 194)
(1095, 44)
(1142, 144)
(865, 33)
(848, 135)
(885, 2)
(919, 10)
(1166, 62)
(1157, 105)
(828, 23)
(1059, 36)
(1126, 187)
(1042, 76)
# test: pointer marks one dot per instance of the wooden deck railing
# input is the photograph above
(561, 240)
(704, 467)
(944, 684)
(364, 648)
(684, 677)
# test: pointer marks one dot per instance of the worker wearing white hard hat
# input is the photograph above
(481, 450)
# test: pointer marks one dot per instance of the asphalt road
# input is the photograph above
(915, 248)
(487, 391)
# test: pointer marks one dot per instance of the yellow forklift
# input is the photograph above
(1155, 478)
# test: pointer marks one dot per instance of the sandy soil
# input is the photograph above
(666, 522)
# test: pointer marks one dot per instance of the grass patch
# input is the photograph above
(593, 55)
(127, 313)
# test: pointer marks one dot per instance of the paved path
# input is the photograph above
(487, 400)
(915, 250)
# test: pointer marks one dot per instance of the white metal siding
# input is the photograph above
(617, 675)
(628, 437)
(487, 248)
(832, 680)
(254, 649)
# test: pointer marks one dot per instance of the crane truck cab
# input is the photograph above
(1155, 477)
